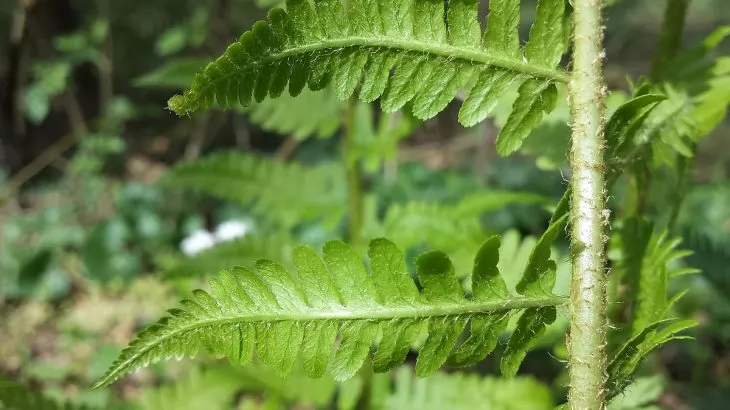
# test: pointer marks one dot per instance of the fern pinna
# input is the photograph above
(432, 47)
(284, 316)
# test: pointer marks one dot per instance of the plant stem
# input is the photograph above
(669, 45)
(587, 341)
(354, 178)
(671, 36)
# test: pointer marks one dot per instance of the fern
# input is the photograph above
(295, 388)
(626, 362)
(640, 395)
(285, 193)
(466, 392)
(176, 74)
(212, 389)
(433, 47)
(243, 252)
(294, 116)
(440, 225)
(697, 88)
(283, 317)
(646, 267)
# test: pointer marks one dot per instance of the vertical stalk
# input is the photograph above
(355, 219)
(587, 342)
(671, 36)
(670, 43)
(106, 65)
(354, 178)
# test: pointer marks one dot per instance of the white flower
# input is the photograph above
(233, 229)
(197, 242)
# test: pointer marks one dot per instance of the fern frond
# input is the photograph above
(296, 388)
(212, 389)
(283, 316)
(286, 193)
(461, 391)
(648, 264)
(626, 362)
(241, 252)
(453, 228)
(433, 48)
(698, 87)
(295, 117)
(641, 394)
(438, 225)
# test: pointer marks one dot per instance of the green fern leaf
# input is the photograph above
(295, 117)
(460, 391)
(284, 316)
(646, 268)
(285, 193)
(697, 86)
(176, 74)
(296, 388)
(434, 48)
(212, 389)
(640, 395)
(242, 252)
(627, 360)
(453, 228)
(623, 126)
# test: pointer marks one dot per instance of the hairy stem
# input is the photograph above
(587, 342)
(354, 190)
(671, 36)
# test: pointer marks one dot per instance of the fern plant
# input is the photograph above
(418, 54)
(282, 319)
(434, 48)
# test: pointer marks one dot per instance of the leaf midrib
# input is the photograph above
(380, 312)
(443, 50)
(440, 50)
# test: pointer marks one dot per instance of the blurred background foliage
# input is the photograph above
(95, 241)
